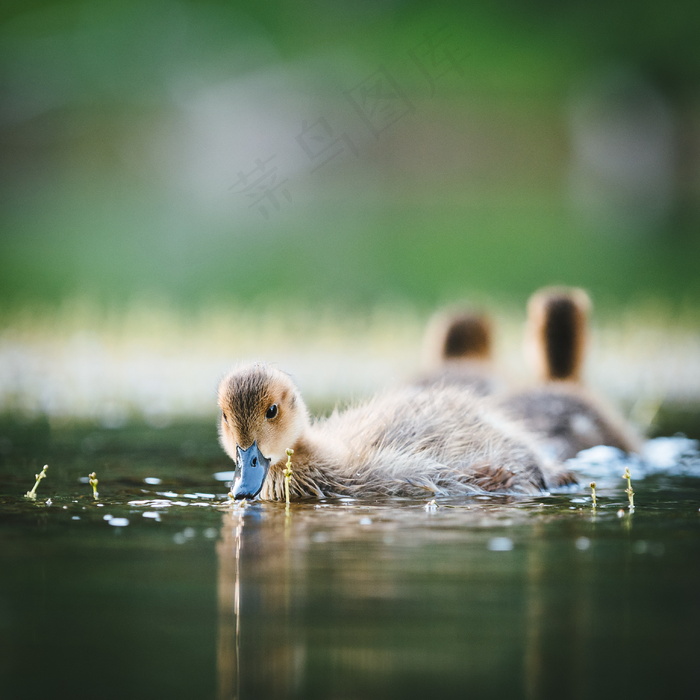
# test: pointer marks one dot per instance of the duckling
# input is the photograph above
(458, 351)
(409, 442)
(562, 412)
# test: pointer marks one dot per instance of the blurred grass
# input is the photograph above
(422, 252)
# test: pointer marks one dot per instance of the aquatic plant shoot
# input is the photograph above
(42, 475)
(593, 498)
(288, 474)
(630, 493)
(92, 478)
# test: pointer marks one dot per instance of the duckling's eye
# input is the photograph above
(223, 415)
(271, 412)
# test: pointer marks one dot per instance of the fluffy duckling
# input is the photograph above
(458, 351)
(411, 442)
(561, 412)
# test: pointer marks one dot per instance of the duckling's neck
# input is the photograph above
(315, 472)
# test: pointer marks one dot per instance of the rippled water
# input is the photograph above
(162, 588)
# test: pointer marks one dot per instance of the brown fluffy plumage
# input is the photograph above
(411, 442)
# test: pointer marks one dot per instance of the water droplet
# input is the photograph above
(118, 522)
(500, 544)
(640, 547)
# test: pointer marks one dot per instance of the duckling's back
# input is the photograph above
(438, 440)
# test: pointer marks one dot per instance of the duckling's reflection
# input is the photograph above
(330, 598)
(254, 582)
(545, 673)
(228, 552)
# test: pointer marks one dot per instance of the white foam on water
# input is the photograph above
(671, 456)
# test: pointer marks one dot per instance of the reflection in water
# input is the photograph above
(256, 647)
(228, 551)
(555, 669)
(536, 612)
(342, 596)
(492, 598)
(349, 599)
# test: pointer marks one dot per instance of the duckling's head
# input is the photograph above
(262, 415)
(557, 319)
(456, 335)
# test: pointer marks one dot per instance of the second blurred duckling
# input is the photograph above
(565, 416)
(458, 350)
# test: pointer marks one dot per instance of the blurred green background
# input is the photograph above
(253, 176)
(408, 151)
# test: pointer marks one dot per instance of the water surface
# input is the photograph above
(162, 588)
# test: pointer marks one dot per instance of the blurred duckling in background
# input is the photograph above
(561, 412)
(458, 350)
(436, 440)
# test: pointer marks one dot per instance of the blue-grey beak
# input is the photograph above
(251, 470)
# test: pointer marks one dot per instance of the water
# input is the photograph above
(162, 588)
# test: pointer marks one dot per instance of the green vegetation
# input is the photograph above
(416, 251)
(109, 191)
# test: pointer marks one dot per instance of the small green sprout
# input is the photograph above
(288, 474)
(32, 494)
(630, 494)
(593, 498)
(93, 482)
